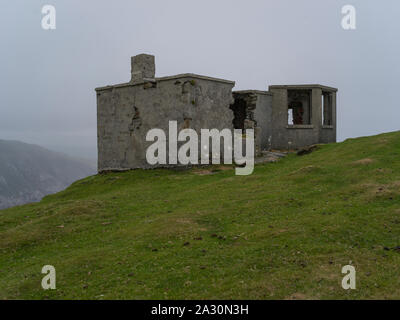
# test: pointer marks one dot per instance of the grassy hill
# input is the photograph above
(283, 232)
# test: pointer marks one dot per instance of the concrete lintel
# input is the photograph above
(304, 86)
(254, 91)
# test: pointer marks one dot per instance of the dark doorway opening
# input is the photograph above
(239, 113)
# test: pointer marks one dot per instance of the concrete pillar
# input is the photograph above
(316, 100)
(334, 114)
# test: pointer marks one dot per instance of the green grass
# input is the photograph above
(283, 232)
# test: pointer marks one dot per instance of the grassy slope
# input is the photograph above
(283, 232)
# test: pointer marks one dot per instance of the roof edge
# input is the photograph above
(178, 76)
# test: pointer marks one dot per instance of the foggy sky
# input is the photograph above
(47, 78)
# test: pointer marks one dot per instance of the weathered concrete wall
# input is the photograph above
(127, 112)
(258, 106)
(263, 117)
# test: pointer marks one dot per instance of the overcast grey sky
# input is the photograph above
(47, 78)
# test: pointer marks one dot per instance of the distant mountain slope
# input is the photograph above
(29, 172)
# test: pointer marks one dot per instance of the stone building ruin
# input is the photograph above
(284, 117)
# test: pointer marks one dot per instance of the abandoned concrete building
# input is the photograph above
(284, 117)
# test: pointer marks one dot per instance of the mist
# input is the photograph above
(48, 76)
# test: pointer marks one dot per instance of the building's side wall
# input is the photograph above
(279, 116)
(263, 117)
(127, 113)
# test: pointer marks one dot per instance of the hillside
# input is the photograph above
(29, 172)
(283, 232)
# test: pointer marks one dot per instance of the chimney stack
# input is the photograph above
(143, 68)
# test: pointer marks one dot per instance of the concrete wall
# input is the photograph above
(127, 112)
(263, 117)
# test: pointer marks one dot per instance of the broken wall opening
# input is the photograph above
(243, 111)
(239, 113)
(299, 107)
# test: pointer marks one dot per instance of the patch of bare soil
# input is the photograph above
(364, 161)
